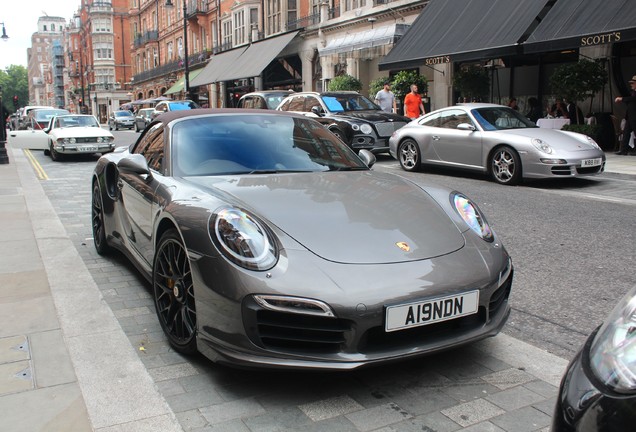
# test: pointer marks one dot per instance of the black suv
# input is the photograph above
(356, 120)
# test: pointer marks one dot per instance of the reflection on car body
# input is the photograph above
(270, 243)
(496, 140)
(598, 389)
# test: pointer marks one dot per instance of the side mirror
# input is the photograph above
(466, 127)
(367, 157)
(134, 163)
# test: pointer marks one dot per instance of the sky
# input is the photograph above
(20, 19)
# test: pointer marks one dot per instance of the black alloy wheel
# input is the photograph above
(505, 166)
(409, 155)
(174, 293)
(97, 221)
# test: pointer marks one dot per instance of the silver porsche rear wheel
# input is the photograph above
(174, 293)
(505, 166)
(409, 155)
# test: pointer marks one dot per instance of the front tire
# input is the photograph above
(55, 156)
(174, 293)
(505, 166)
(409, 155)
(97, 222)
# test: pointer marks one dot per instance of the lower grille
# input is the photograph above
(292, 332)
(386, 129)
(589, 170)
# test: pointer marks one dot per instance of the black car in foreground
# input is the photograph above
(352, 117)
(598, 390)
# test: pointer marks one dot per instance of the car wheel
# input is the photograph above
(116, 126)
(409, 155)
(505, 166)
(174, 293)
(97, 220)
(54, 154)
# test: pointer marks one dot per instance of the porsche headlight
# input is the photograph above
(542, 146)
(593, 143)
(613, 349)
(473, 217)
(242, 239)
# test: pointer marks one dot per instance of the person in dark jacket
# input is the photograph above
(630, 117)
(534, 112)
(574, 113)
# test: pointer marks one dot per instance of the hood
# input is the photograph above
(557, 139)
(372, 116)
(347, 217)
(83, 132)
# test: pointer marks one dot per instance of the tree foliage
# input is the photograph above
(345, 82)
(578, 81)
(472, 82)
(401, 84)
(376, 85)
(15, 82)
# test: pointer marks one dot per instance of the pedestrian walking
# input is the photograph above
(413, 106)
(386, 99)
(630, 117)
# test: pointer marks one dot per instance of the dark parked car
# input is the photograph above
(173, 105)
(143, 118)
(40, 118)
(268, 242)
(598, 390)
(266, 99)
(121, 119)
(357, 121)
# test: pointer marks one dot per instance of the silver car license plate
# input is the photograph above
(591, 162)
(431, 311)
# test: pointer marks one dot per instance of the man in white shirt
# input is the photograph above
(386, 99)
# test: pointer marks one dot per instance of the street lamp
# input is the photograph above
(169, 4)
(4, 36)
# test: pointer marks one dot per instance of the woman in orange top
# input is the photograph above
(413, 106)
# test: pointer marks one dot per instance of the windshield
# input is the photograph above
(176, 106)
(76, 121)
(348, 102)
(500, 118)
(273, 101)
(123, 114)
(257, 144)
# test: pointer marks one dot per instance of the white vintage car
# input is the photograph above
(66, 135)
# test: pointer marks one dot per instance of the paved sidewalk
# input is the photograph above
(67, 365)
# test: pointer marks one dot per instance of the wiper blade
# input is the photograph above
(348, 168)
(275, 171)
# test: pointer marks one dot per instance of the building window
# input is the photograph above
(52, 27)
(291, 11)
(180, 47)
(45, 27)
(354, 4)
(102, 25)
(170, 51)
(273, 16)
(227, 33)
(239, 27)
(103, 51)
(155, 57)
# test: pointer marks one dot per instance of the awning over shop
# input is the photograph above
(178, 86)
(464, 30)
(256, 57)
(383, 35)
(216, 66)
(578, 23)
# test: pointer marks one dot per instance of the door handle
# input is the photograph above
(435, 137)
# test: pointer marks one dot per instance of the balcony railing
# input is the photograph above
(174, 66)
(303, 21)
(149, 36)
(195, 7)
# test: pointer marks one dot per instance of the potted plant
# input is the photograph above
(345, 82)
(578, 81)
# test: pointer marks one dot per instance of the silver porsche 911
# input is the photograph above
(496, 140)
(268, 242)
